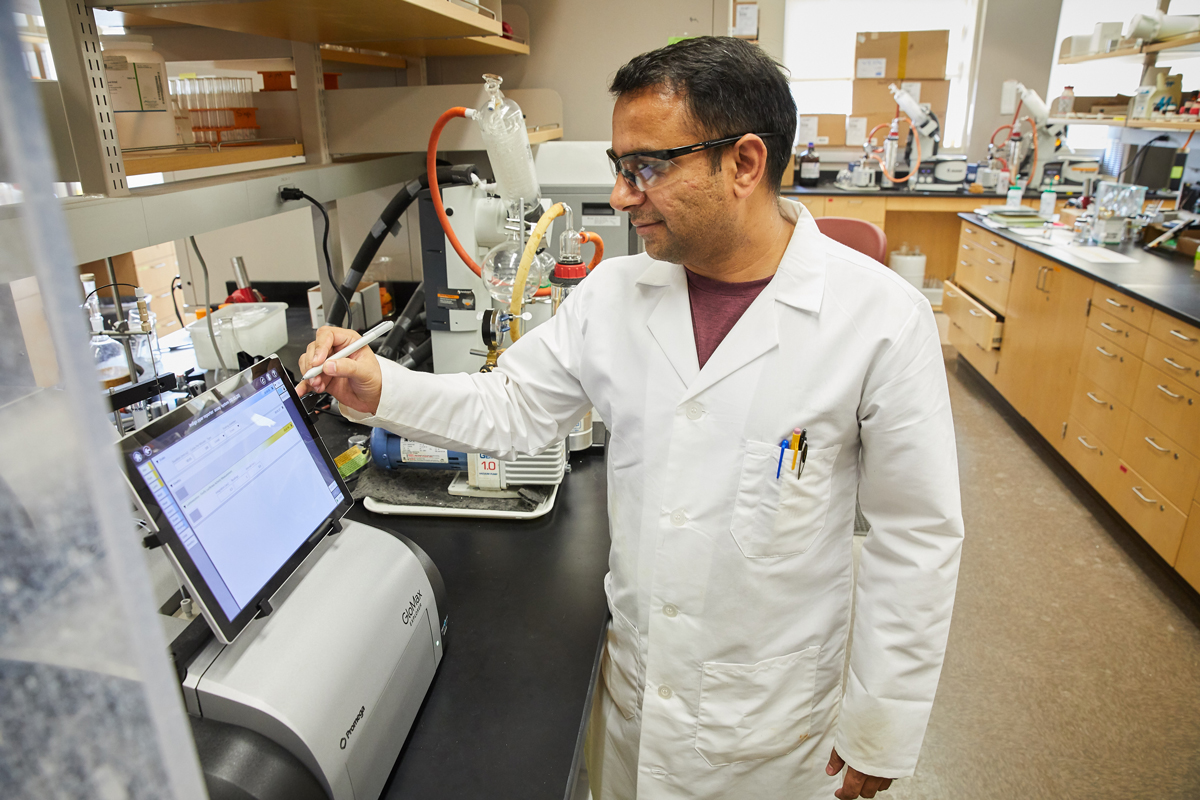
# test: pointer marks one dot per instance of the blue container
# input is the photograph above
(387, 453)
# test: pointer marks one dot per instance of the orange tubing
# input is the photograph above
(1001, 128)
(1034, 133)
(917, 136)
(877, 127)
(436, 193)
(597, 242)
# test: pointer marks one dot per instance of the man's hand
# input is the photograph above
(355, 381)
(855, 784)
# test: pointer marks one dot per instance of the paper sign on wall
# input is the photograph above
(807, 130)
(871, 68)
(856, 131)
(745, 20)
(913, 88)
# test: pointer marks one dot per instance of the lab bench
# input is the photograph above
(1102, 359)
(506, 714)
(928, 220)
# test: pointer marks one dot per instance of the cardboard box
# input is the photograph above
(874, 97)
(901, 55)
(823, 130)
(789, 172)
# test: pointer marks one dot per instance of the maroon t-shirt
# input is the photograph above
(716, 308)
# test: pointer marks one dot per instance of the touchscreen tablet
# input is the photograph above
(240, 487)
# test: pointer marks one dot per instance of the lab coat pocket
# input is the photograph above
(782, 516)
(755, 712)
(621, 667)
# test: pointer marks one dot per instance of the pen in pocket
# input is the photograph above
(799, 450)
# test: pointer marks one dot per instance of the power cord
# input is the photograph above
(175, 303)
(292, 193)
(208, 305)
(1141, 154)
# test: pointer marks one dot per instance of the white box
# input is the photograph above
(364, 296)
(1075, 46)
(371, 303)
(316, 307)
(259, 329)
(1104, 33)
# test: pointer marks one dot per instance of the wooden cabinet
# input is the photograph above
(1109, 366)
(1099, 410)
(1180, 335)
(1117, 331)
(1173, 407)
(1087, 452)
(1184, 367)
(1121, 305)
(1161, 460)
(978, 321)
(872, 209)
(1144, 507)
(1187, 562)
(1044, 328)
(815, 205)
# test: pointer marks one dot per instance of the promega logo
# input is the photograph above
(414, 607)
(346, 739)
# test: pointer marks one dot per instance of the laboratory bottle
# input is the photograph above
(1065, 103)
(92, 302)
(1047, 202)
(1013, 199)
(808, 167)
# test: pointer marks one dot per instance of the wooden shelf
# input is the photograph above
(178, 160)
(366, 56)
(464, 46)
(1162, 125)
(345, 22)
(1182, 43)
(1122, 52)
(537, 137)
(1112, 122)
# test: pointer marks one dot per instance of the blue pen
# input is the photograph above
(782, 450)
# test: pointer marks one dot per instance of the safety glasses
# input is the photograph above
(653, 169)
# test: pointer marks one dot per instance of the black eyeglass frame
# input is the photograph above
(675, 152)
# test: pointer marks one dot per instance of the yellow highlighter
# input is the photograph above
(795, 446)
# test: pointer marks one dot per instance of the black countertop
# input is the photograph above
(506, 712)
(990, 198)
(1165, 282)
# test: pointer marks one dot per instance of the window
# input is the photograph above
(819, 42)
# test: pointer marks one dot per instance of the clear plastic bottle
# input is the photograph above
(1065, 103)
(507, 141)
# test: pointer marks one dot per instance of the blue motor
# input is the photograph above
(390, 451)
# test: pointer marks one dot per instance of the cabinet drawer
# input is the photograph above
(977, 320)
(1001, 248)
(1160, 460)
(1117, 331)
(815, 205)
(1099, 410)
(1187, 563)
(1145, 508)
(1169, 406)
(1183, 367)
(872, 209)
(1087, 453)
(990, 288)
(991, 263)
(983, 360)
(1122, 306)
(1112, 367)
(1178, 334)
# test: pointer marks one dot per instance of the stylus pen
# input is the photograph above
(367, 338)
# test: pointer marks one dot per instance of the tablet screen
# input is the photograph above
(240, 482)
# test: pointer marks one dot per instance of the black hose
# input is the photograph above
(418, 356)
(459, 175)
(404, 321)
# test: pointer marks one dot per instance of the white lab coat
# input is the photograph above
(730, 589)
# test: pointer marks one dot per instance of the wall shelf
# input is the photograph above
(1180, 46)
(1122, 52)
(177, 160)
(465, 46)
(537, 137)
(1121, 122)
(367, 56)
(345, 22)
(1112, 122)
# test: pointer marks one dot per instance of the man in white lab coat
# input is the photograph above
(731, 565)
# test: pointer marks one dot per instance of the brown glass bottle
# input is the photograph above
(808, 167)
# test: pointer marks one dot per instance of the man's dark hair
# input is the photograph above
(728, 86)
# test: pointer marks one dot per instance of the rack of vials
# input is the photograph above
(221, 109)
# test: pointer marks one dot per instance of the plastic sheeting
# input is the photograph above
(89, 706)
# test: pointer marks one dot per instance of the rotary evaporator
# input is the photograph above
(487, 279)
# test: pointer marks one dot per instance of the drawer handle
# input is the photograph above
(1112, 302)
(1096, 400)
(994, 243)
(950, 293)
(966, 247)
(968, 230)
(1176, 366)
(1152, 443)
(1110, 328)
(1168, 392)
(974, 313)
(993, 261)
(1181, 336)
(965, 263)
(1105, 353)
(990, 278)
(1083, 442)
(1142, 496)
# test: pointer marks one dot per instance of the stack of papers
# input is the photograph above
(1011, 216)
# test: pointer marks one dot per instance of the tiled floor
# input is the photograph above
(1073, 668)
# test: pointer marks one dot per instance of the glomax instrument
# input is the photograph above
(307, 672)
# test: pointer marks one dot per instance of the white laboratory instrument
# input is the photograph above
(935, 172)
(307, 676)
(1035, 154)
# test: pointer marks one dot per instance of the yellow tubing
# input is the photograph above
(535, 238)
